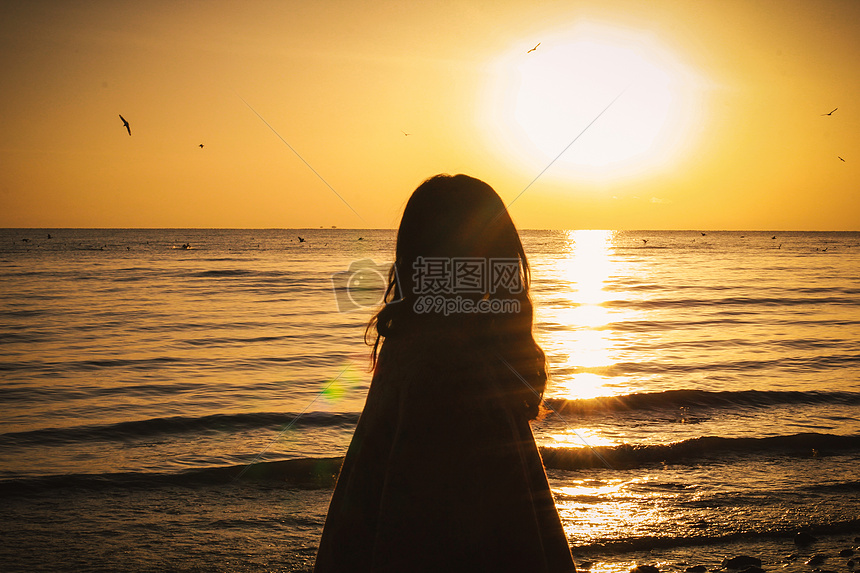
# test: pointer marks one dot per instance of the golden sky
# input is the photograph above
(706, 115)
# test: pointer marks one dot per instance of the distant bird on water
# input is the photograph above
(125, 124)
(533, 49)
(831, 113)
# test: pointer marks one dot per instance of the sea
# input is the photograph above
(181, 399)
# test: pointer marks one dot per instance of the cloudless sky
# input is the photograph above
(718, 121)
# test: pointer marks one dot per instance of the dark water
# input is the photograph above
(181, 408)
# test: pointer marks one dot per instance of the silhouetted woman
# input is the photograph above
(443, 473)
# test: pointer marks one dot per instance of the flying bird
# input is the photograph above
(533, 49)
(404, 133)
(201, 146)
(831, 113)
(125, 124)
(840, 159)
(301, 240)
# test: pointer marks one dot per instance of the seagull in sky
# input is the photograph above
(533, 49)
(201, 146)
(831, 113)
(404, 133)
(125, 124)
(840, 159)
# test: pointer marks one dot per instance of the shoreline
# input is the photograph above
(257, 527)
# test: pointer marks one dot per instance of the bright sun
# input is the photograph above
(541, 100)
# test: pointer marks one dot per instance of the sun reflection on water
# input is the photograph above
(583, 348)
(572, 437)
(597, 509)
(579, 338)
(583, 385)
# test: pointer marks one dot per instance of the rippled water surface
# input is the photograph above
(705, 385)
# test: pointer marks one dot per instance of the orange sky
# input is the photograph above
(720, 126)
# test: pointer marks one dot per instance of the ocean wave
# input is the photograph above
(779, 363)
(791, 364)
(679, 399)
(21, 338)
(646, 543)
(696, 450)
(845, 486)
(313, 472)
(175, 425)
(637, 404)
(65, 368)
(225, 341)
(224, 273)
(70, 367)
(738, 301)
(305, 473)
(285, 278)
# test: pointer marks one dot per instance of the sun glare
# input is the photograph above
(541, 100)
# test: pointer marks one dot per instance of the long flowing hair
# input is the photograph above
(460, 218)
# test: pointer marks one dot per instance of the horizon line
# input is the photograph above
(644, 229)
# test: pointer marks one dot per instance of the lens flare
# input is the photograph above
(339, 388)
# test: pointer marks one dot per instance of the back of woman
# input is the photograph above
(443, 473)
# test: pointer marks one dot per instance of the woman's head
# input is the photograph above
(460, 270)
(456, 216)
